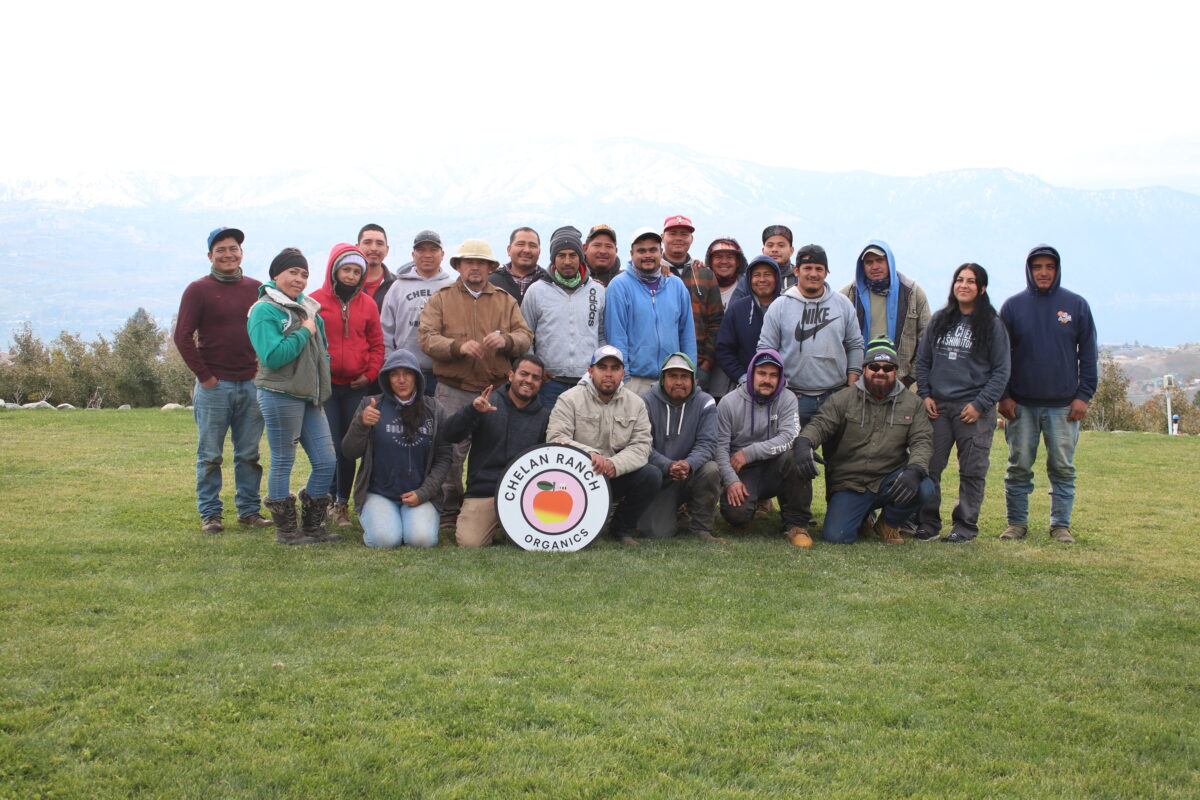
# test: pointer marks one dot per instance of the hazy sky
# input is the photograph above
(1083, 94)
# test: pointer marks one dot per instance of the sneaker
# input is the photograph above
(958, 537)
(799, 538)
(255, 520)
(339, 515)
(212, 524)
(923, 534)
(1061, 533)
(1014, 531)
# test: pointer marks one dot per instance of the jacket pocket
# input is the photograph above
(622, 432)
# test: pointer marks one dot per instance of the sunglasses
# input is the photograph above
(881, 367)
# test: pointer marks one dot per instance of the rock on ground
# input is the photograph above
(65, 407)
(125, 407)
(172, 407)
(39, 404)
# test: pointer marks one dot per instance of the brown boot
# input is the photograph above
(886, 533)
(339, 515)
(799, 537)
(283, 512)
(313, 513)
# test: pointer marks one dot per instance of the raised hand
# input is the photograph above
(370, 414)
(482, 404)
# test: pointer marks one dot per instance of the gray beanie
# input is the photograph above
(566, 238)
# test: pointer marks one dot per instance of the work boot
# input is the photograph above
(254, 520)
(313, 513)
(1014, 531)
(283, 512)
(866, 528)
(799, 537)
(1061, 533)
(339, 514)
(212, 524)
(887, 534)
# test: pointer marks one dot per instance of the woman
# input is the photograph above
(404, 458)
(355, 354)
(962, 369)
(288, 336)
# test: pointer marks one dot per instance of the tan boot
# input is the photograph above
(886, 533)
(339, 515)
(799, 538)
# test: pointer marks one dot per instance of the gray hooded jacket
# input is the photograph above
(687, 431)
(819, 339)
(400, 315)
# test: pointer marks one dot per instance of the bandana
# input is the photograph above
(564, 282)
(226, 277)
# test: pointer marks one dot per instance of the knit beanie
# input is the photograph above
(288, 257)
(880, 349)
(565, 238)
(777, 230)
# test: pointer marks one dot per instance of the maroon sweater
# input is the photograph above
(216, 313)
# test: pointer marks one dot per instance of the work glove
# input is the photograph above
(907, 484)
(804, 459)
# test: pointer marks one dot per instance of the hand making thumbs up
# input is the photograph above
(370, 414)
(482, 404)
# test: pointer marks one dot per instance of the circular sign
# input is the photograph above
(550, 499)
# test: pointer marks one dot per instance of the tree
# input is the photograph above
(137, 348)
(1152, 414)
(1110, 409)
(27, 378)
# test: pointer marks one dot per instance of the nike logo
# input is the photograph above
(808, 333)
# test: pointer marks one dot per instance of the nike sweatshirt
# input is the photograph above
(818, 337)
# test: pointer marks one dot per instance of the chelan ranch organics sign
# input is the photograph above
(550, 499)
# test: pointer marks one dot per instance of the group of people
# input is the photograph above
(695, 386)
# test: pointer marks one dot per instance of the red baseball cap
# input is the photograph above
(678, 221)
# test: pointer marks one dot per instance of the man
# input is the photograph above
(605, 419)
(884, 441)
(890, 304)
(705, 295)
(210, 334)
(372, 241)
(471, 330)
(565, 311)
(1054, 376)
(600, 254)
(777, 245)
(815, 329)
(500, 427)
(683, 429)
(756, 425)
(742, 326)
(728, 263)
(647, 313)
(522, 270)
(415, 282)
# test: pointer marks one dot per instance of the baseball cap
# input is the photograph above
(602, 230)
(878, 251)
(777, 230)
(223, 233)
(812, 254)
(679, 221)
(642, 233)
(427, 236)
(677, 361)
(607, 351)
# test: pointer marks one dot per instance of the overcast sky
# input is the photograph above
(1082, 94)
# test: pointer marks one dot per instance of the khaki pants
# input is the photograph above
(451, 401)
(639, 385)
(477, 522)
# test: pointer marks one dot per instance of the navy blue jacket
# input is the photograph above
(1053, 340)
(737, 341)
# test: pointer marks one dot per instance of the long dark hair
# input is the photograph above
(982, 317)
(412, 416)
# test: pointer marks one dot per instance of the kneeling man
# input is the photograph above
(683, 426)
(756, 426)
(884, 440)
(602, 417)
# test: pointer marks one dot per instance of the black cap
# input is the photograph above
(777, 230)
(427, 236)
(812, 254)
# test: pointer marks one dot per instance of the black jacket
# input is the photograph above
(497, 437)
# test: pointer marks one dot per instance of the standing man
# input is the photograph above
(1054, 376)
(600, 254)
(756, 426)
(647, 313)
(815, 329)
(372, 241)
(471, 330)
(515, 277)
(565, 311)
(210, 334)
(728, 263)
(705, 295)
(884, 441)
(605, 419)
(683, 429)
(890, 304)
(777, 245)
(416, 282)
(500, 425)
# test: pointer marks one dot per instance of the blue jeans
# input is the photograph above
(551, 389)
(289, 420)
(807, 406)
(388, 523)
(847, 508)
(230, 405)
(339, 410)
(1022, 434)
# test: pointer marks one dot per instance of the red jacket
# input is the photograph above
(355, 335)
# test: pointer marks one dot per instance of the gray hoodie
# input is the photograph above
(401, 312)
(687, 431)
(761, 427)
(819, 339)
(567, 326)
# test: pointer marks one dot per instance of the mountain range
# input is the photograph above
(81, 254)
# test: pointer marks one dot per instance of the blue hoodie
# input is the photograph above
(1053, 340)
(648, 326)
(738, 340)
(863, 294)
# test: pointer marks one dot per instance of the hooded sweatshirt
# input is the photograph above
(497, 437)
(727, 295)
(401, 315)
(787, 275)
(761, 427)
(647, 326)
(1053, 339)
(904, 310)
(567, 324)
(392, 462)
(355, 337)
(954, 368)
(818, 337)
(740, 330)
(687, 431)
(290, 359)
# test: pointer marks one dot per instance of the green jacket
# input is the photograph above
(869, 438)
(290, 359)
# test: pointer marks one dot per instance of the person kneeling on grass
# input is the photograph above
(884, 441)
(288, 336)
(404, 455)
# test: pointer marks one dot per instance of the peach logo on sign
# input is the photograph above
(555, 502)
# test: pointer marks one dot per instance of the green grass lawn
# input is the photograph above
(140, 657)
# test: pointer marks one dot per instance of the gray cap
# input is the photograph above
(427, 236)
(677, 361)
(607, 351)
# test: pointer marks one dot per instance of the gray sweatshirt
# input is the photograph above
(762, 430)
(567, 326)
(819, 339)
(401, 312)
(687, 431)
(950, 369)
